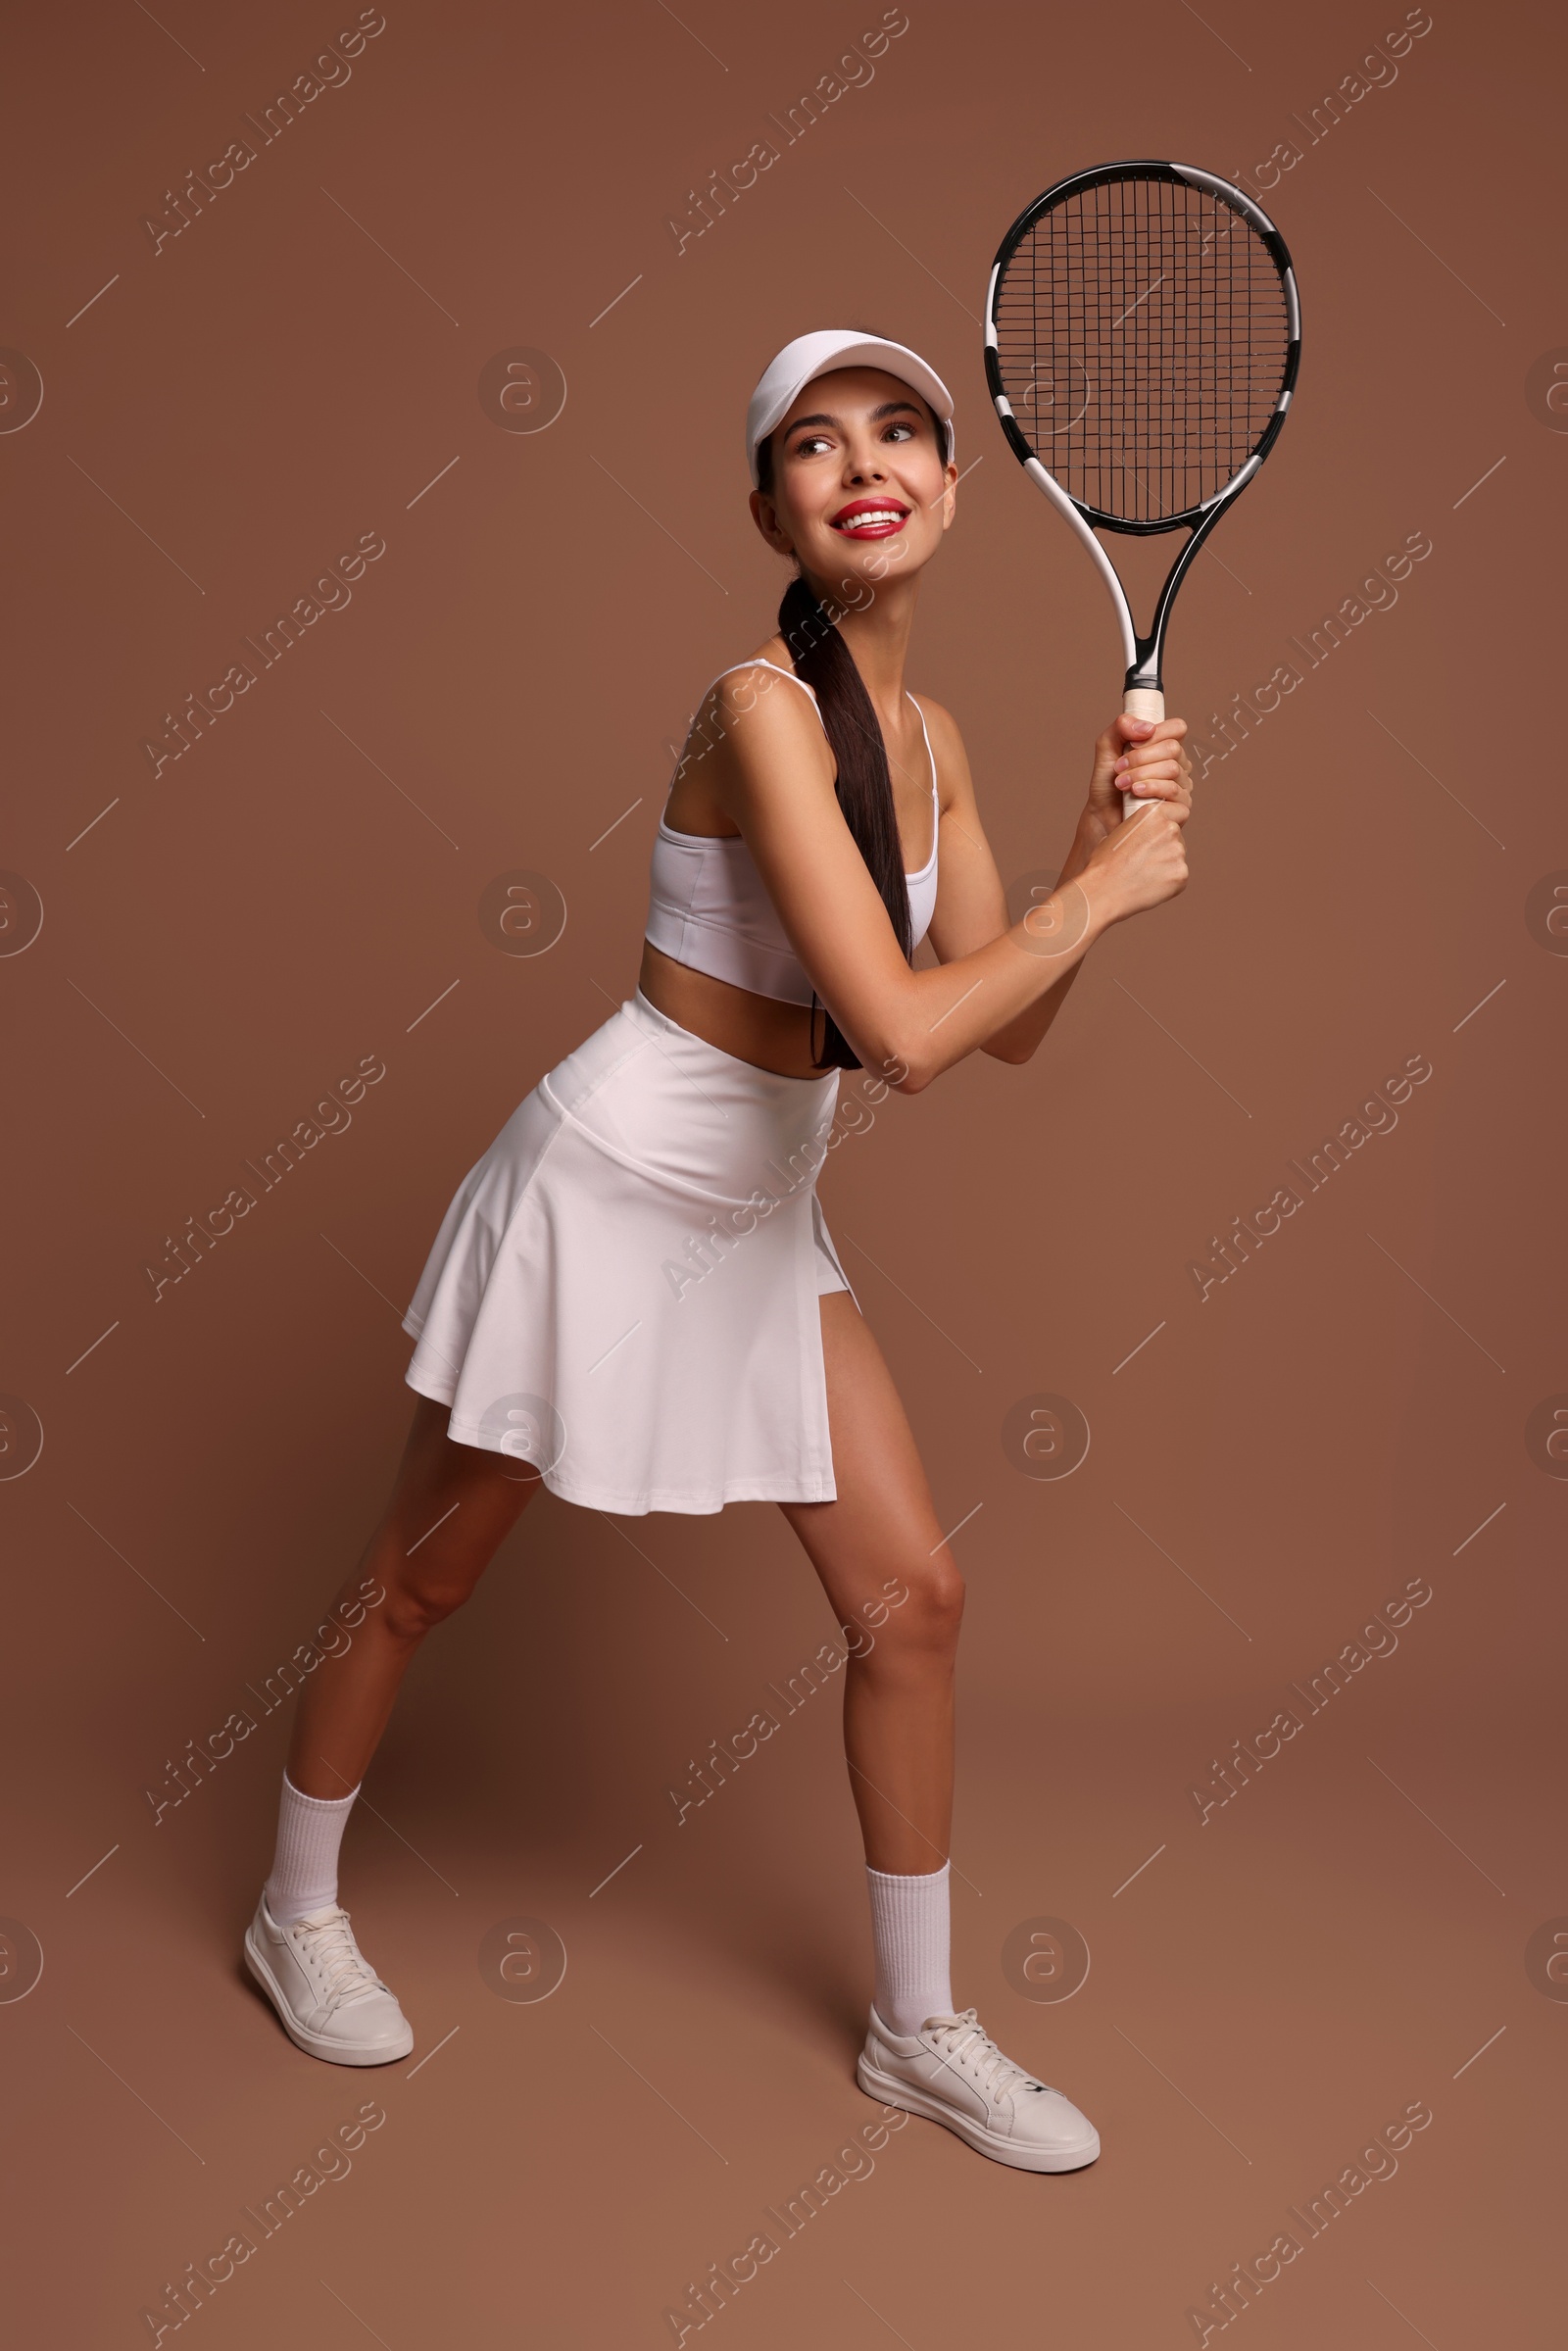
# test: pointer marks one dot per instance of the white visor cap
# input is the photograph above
(810, 356)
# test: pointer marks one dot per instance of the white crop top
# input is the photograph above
(708, 907)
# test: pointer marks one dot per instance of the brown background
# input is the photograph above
(299, 890)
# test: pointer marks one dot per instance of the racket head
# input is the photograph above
(1143, 338)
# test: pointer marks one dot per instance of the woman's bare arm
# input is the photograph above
(971, 905)
(775, 778)
(971, 908)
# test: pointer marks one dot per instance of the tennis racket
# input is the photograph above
(1142, 336)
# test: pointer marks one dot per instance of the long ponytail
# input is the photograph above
(863, 785)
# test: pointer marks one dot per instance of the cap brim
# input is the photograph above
(810, 356)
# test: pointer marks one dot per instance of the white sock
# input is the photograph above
(911, 1937)
(309, 1829)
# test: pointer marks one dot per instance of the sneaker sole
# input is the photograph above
(893, 2092)
(314, 2044)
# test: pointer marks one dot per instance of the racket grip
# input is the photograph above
(1139, 701)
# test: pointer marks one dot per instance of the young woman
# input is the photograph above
(633, 1297)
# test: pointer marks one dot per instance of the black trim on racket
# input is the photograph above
(1202, 434)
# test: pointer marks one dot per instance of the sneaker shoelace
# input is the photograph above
(963, 2041)
(345, 1973)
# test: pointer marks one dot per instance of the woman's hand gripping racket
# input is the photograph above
(1142, 336)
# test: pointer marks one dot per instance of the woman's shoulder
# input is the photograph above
(773, 655)
(937, 716)
(745, 685)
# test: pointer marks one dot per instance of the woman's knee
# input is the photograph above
(445, 1523)
(924, 1612)
(428, 1579)
(417, 1602)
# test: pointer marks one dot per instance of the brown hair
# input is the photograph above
(862, 784)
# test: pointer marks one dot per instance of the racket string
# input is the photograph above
(1142, 336)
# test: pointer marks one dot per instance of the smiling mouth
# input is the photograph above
(871, 520)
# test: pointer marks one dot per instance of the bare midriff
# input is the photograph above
(759, 1029)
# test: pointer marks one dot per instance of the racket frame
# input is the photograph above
(1144, 653)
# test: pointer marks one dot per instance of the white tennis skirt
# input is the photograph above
(624, 1288)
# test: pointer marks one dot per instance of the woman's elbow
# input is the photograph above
(899, 1065)
(914, 1076)
(896, 1052)
(908, 1060)
(911, 1060)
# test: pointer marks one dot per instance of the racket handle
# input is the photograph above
(1139, 701)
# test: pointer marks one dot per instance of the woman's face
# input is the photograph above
(860, 491)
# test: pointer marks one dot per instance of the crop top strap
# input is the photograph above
(936, 798)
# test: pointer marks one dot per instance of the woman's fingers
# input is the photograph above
(1157, 767)
(1152, 779)
(1144, 757)
(1124, 729)
(1160, 757)
(1175, 796)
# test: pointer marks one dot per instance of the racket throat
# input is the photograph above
(1144, 677)
(1144, 672)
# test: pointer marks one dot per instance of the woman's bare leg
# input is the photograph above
(450, 1507)
(880, 1538)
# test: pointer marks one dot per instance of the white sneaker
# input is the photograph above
(331, 2000)
(951, 2072)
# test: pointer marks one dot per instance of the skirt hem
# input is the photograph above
(687, 1505)
(637, 1505)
